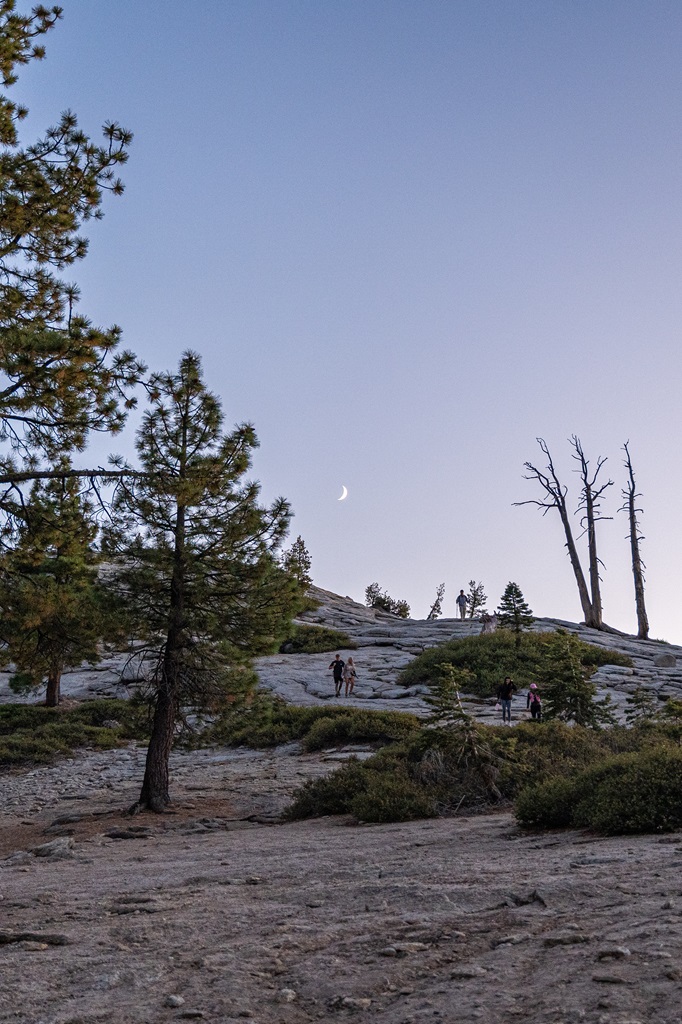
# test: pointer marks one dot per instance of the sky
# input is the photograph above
(408, 237)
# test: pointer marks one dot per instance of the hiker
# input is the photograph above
(461, 602)
(349, 676)
(534, 703)
(338, 666)
(504, 696)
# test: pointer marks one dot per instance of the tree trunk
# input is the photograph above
(53, 695)
(577, 567)
(596, 614)
(155, 795)
(591, 509)
(630, 495)
(638, 574)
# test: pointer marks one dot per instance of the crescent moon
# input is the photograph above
(344, 495)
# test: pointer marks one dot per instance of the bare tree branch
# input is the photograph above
(556, 494)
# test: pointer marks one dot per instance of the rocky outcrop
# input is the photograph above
(385, 645)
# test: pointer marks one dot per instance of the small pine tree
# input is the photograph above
(297, 562)
(476, 599)
(437, 606)
(641, 706)
(448, 714)
(375, 597)
(671, 711)
(513, 612)
(400, 608)
(567, 694)
(444, 699)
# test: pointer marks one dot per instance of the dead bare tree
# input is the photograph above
(555, 497)
(590, 510)
(629, 505)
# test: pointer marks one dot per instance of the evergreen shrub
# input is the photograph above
(317, 640)
(266, 721)
(547, 805)
(31, 734)
(359, 727)
(544, 767)
(329, 795)
(393, 797)
(491, 657)
(432, 772)
(635, 792)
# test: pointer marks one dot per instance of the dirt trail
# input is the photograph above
(207, 915)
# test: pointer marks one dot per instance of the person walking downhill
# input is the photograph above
(504, 696)
(349, 676)
(534, 703)
(338, 666)
(461, 602)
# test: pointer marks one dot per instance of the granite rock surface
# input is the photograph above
(385, 645)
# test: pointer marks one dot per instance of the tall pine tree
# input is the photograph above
(297, 562)
(199, 562)
(54, 611)
(60, 376)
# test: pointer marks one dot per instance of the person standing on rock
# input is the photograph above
(349, 676)
(534, 703)
(461, 602)
(504, 696)
(338, 666)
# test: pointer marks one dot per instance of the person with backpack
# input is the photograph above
(461, 602)
(534, 703)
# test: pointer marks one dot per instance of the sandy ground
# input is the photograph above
(214, 913)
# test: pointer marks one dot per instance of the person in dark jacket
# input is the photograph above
(504, 696)
(338, 666)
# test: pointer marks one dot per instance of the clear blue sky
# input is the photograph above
(407, 236)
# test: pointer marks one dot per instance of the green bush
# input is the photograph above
(628, 793)
(31, 734)
(532, 753)
(549, 804)
(393, 797)
(329, 795)
(360, 727)
(132, 716)
(431, 772)
(379, 789)
(317, 640)
(493, 656)
(545, 767)
(266, 721)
